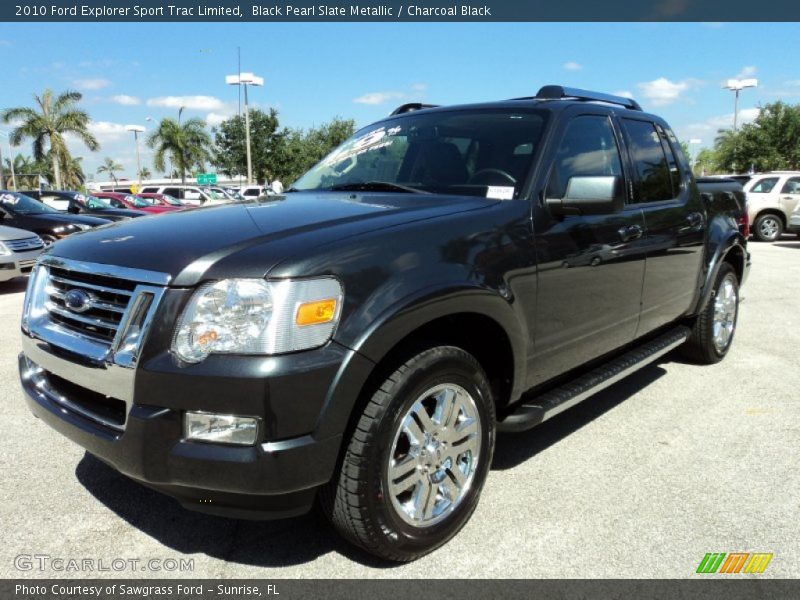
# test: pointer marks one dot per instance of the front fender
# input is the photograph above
(402, 318)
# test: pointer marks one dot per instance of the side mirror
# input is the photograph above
(73, 209)
(590, 195)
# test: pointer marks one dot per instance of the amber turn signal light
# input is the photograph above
(314, 313)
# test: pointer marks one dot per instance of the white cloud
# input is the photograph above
(188, 102)
(126, 100)
(624, 94)
(572, 66)
(707, 130)
(92, 84)
(213, 119)
(106, 132)
(375, 98)
(419, 87)
(5, 43)
(746, 72)
(662, 91)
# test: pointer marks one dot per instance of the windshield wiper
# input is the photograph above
(375, 186)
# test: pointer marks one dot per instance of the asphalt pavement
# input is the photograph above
(639, 481)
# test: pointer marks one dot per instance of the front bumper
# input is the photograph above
(17, 264)
(277, 477)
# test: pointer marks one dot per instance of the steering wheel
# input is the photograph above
(483, 172)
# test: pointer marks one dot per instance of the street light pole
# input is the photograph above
(736, 86)
(137, 129)
(245, 79)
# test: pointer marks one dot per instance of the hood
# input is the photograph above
(187, 244)
(12, 233)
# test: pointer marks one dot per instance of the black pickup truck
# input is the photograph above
(445, 274)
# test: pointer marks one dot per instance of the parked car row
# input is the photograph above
(773, 200)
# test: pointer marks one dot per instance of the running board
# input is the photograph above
(538, 409)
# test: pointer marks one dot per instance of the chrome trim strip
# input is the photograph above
(56, 293)
(67, 314)
(136, 275)
(91, 286)
(612, 380)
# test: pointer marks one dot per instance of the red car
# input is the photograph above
(165, 200)
(134, 202)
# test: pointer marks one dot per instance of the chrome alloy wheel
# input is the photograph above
(725, 304)
(434, 455)
(769, 228)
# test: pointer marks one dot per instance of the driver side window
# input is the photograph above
(588, 148)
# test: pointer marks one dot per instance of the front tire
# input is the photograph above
(768, 228)
(713, 329)
(418, 458)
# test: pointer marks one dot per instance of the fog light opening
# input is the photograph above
(220, 429)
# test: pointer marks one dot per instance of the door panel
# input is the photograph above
(590, 267)
(790, 196)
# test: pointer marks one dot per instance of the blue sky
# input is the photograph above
(313, 72)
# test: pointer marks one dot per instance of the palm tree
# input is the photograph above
(185, 144)
(144, 173)
(56, 115)
(110, 166)
(73, 174)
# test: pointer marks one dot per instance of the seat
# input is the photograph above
(438, 163)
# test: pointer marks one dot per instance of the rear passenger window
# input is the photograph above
(792, 186)
(653, 178)
(764, 186)
(587, 149)
(174, 192)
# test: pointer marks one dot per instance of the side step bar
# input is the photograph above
(538, 409)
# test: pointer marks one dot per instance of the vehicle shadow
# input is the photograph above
(512, 449)
(14, 286)
(304, 539)
(787, 244)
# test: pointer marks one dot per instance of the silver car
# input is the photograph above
(19, 250)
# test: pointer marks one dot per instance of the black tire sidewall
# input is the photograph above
(445, 365)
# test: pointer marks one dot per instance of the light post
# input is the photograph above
(10, 162)
(736, 86)
(137, 129)
(245, 79)
(692, 160)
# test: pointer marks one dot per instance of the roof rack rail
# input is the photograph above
(556, 92)
(411, 106)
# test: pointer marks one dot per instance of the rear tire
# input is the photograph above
(768, 228)
(714, 328)
(418, 458)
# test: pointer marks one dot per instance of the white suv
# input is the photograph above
(194, 195)
(771, 198)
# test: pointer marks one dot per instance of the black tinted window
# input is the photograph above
(652, 179)
(588, 148)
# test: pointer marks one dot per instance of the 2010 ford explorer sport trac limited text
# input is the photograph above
(445, 274)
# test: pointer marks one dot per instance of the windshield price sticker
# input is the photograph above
(500, 192)
(9, 199)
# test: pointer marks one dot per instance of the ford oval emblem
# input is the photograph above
(78, 301)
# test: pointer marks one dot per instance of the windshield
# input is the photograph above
(96, 203)
(481, 152)
(20, 204)
(137, 202)
(170, 200)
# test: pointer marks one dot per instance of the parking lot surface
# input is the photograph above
(639, 481)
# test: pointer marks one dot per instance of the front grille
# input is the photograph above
(25, 245)
(108, 300)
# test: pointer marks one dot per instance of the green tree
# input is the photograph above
(145, 173)
(230, 152)
(300, 150)
(185, 144)
(46, 126)
(110, 166)
(73, 176)
(770, 142)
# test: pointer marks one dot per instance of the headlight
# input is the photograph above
(4, 251)
(82, 226)
(253, 316)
